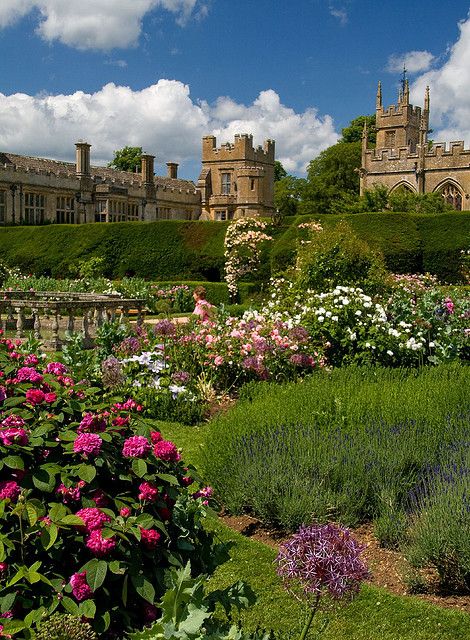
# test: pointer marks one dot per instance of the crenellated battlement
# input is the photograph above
(241, 149)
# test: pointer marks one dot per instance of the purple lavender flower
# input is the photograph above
(321, 560)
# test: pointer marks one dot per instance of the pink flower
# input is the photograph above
(3, 394)
(80, 588)
(100, 498)
(166, 450)
(150, 612)
(68, 493)
(218, 360)
(205, 492)
(150, 537)
(56, 368)
(87, 443)
(136, 447)
(155, 436)
(50, 397)
(28, 374)
(449, 305)
(93, 518)
(31, 360)
(3, 567)
(148, 492)
(9, 489)
(35, 396)
(100, 546)
(13, 421)
(125, 512)
(92, 423)
(14, 435)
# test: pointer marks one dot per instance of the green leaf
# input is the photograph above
(6, 603)
(72, 520)
(13, 626)
(14, 462)
(43, 480)
(49, 536)
(195, 619)
(13, 402)
(143, 587)
(96, 574)
(70, 606)
(166, 477)
(139, 467)
(87, 609)
(57, 512)
(124, 591)
(86, 472)
(32, 513)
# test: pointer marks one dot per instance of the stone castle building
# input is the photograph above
(38, 190)
(404, 159)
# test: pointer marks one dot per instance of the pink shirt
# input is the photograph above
(203, 309)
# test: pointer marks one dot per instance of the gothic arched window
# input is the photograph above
(452, 195)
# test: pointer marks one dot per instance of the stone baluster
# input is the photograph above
(37, 324)
(55, 340)
(124, 315)
(86, 328)
(19, 322)
(1, 321)
(10, 320)
(140, 317)
(99, 317)
(71, 321)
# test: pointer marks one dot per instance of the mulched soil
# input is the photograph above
(388, 567)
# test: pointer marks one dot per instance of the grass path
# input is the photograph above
(374, 615)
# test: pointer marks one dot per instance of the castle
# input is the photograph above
(404, 159)
(236, 180)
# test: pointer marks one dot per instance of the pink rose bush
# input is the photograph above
(91, 499)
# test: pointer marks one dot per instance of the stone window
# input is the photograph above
(65, 210)
(3, 205)
(34, 208)
(452, 196)
(132, 211)
(164, 213)
(226, 183)
(117, 210)
(101, 211)
(221, 215)
(390, 137)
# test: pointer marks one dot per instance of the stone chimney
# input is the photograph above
(82, 163)
(147, 168)
(172, 170)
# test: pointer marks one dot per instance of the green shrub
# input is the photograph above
(349, 445)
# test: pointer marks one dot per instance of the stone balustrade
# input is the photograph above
(62, 313)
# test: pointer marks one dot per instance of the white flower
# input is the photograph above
(321, 318)
(390, 353)
(358, 312)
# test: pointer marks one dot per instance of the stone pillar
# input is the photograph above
(147, 168)
(172, 170)
(82, 164)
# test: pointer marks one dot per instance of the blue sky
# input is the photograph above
(162, 73)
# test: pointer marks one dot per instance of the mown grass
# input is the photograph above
(374, 615)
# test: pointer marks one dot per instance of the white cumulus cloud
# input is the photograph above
(95, 24)
(414, 61)
(450, 91)
(162, 118)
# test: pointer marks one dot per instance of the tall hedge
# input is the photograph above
(178, 250)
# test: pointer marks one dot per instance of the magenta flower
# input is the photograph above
(3, 567)
(50, 398)
(98, 545)
(80, 588)
(9, 489)
(28, 374)
(14, 435)
(136, 447)
(31, 360)
(148, 492)
(35, 396)
(56, 368)
(150, 538)
(3, 394)
(93, 518)
(92, 423)
(88, 443)
(68, 493)
(13, 421)
(166, 450)
(125, 512)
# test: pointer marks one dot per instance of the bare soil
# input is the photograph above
(388, 568)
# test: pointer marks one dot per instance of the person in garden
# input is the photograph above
(203, 308)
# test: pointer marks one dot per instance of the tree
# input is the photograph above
(127, 159)
(288, 192)
(353, 132)
(279, 171)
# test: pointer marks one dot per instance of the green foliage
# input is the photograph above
(404, 200)
(187, 612)
(288, 192)
(63, 626)
(354, 131)
(347, 446)
(127, 159)
(337, 256)
(279, 171)
(93, 267)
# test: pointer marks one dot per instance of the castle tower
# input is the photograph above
(398, 125)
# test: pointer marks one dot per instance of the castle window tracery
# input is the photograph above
(390, 138)
(65, 210)
(34, 208)
(226, 183)
(452, 196)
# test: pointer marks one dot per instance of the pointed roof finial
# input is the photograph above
(378, 102)
(426, 99)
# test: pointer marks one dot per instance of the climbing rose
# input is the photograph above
(148, 492)
(98, 545)
(125, 512)
(35, 396)
(28, 374)
(14, 435)
(150, 537)
(88, 443)
(80, 588)
(9, 489)
(57, 368)
(91, 423)
(166, 450)
(50, 397)
(93, 518)
(321, 559)
(136, 447)
(13, 421)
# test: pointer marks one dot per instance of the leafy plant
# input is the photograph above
(63, 626)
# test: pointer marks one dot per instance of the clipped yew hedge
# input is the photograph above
(179, 250)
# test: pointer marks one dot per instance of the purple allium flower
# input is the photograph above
(302, 360)
(164, 328)
(299, 334)
(112, 375)
(321, 560)
(180, 377)
(129, 345)
(88, 443)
